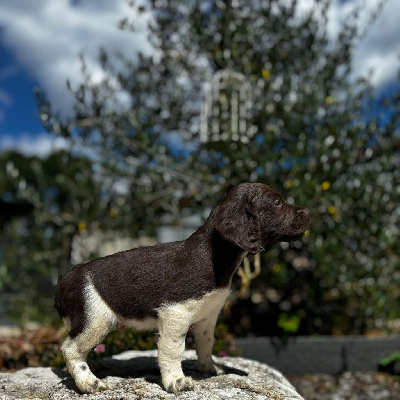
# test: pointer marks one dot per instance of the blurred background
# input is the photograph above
(124, 123)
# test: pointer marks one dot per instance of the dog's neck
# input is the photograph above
(226, 256)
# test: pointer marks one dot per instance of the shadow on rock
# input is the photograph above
(140, 367)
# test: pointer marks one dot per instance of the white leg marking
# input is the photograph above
(67, 323)
(174, 321)
(100, 319)
(75, 358)
(171, 345)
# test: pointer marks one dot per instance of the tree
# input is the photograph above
(36, 245)
(327, 142)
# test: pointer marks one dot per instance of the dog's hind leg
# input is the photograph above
(99, 320)
(75, 353)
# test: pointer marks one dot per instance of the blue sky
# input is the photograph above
(40, 41)
(16, 90)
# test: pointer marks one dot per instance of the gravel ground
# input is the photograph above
(347, 386)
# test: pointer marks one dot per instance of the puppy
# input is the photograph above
(171, 286)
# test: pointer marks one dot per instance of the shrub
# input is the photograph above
(43, 347)
(130, 339)
(31, 349)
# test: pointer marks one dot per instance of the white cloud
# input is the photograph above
(379, 50)
(46, 37)
(33, 145)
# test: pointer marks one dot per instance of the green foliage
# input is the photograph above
(325, 141)
(395, 356)
(31, 348)
(43, 347)
(391, 364)
(36, 248)
(130, 339)
(289, 323)
(224, 343)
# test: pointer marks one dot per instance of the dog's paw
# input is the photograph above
(211, 369)
(179, 384)
(92, 386)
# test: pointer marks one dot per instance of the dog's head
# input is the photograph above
(253, 215)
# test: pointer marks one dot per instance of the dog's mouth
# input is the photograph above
(292, 235)
(290, 238)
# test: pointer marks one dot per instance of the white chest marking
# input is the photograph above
(194, 310)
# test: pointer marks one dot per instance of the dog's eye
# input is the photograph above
(277, 203)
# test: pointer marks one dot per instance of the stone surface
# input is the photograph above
(135, 375)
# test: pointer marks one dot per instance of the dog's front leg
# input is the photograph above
(171, 345)
(204, 338)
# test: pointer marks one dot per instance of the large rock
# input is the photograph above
(135, 375)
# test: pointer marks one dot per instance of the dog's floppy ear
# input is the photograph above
(237, 221)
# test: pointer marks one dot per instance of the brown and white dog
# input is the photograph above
(172, 286)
